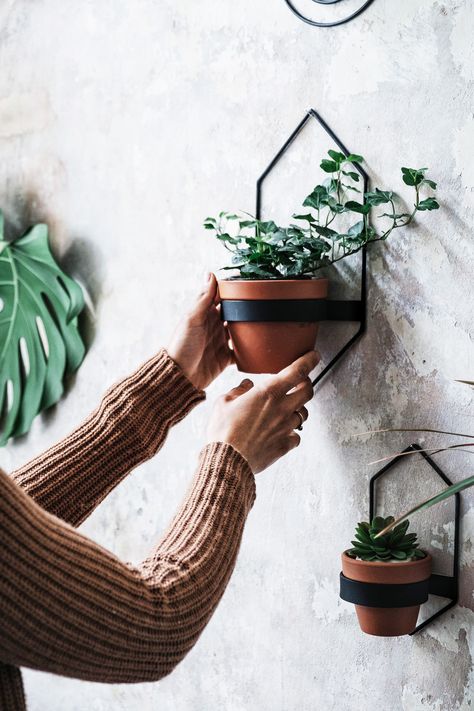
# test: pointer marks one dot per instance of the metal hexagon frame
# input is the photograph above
(446, 586)
(355, 311)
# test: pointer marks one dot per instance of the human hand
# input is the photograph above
(200, 344)
(259, 422)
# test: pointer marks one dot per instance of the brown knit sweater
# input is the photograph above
(69, 606)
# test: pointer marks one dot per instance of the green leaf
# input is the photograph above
(326, 232)
(354, 158)
(329, 166)
(377, 523)
(224, 237)
(428, 204)
(257, 271)
(395, 215)
(275, 238)
(317, 199)
(351, 174)
(430, 183)
(308, 217)
(413, 176)
(329, 186)
(356, 229)
(362, 537)
(39, 337)
(336, 207)
(378, 197)
(336, 156)
(418, 553)
(357, 207)
(268, 227)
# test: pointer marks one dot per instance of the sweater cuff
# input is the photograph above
(220, 461)
(175, 393)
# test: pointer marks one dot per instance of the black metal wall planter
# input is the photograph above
(334, 23)
(312, 310)
(404, 599)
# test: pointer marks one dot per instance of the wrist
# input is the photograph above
(190, 374)
(236, 445)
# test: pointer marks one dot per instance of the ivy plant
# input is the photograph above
(396, 545)
(39, 336)
(333, 224)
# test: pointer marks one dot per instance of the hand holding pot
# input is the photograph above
(259, 422)
(200, 345)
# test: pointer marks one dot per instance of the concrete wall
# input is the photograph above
(123, 124)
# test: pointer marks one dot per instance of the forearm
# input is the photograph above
(71, 478)
(72, 608)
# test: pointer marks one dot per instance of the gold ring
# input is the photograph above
(300, 427)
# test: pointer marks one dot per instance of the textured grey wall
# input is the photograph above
(122, 124)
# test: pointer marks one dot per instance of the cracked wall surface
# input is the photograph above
(123, 125)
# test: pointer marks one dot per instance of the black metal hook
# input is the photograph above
(335, 23)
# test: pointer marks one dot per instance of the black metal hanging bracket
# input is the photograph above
(330, 310)
(446, 586)
(334, 23)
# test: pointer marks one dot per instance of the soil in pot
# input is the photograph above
(269, 346)
(387, 621)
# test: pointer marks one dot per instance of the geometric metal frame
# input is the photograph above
(335, 23)
(359, 306)
(441, 585)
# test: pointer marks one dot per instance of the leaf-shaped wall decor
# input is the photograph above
(39, 336)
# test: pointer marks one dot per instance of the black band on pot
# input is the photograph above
(382, 594)
(299, 310)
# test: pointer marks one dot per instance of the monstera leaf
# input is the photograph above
(39, 337)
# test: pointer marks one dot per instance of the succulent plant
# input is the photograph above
(397, 545)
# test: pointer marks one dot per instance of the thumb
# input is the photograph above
(200, 311)
(207, 295)
(239, 390)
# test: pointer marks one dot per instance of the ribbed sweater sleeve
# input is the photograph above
(71, 478)
(12, 696)
(70, 607)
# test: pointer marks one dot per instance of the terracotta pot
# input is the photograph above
(269, 346)
(387, 621)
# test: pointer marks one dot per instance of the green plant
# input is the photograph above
(39, 337)
(321, 235)
(397, 545)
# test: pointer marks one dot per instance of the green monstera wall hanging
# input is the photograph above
(39, 336)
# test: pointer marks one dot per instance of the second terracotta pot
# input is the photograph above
(269, 346)
(387, 621)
